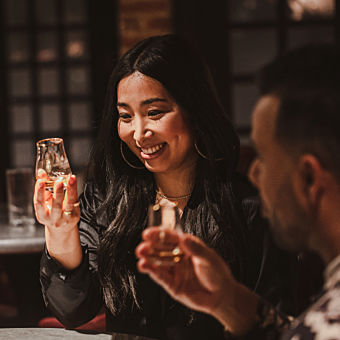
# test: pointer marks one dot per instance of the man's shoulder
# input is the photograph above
(320, 321)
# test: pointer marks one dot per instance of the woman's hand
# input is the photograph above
(59, 210)
(60, 214)
(201, 280)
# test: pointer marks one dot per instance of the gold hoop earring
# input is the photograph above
(204, 156)
(126, 161)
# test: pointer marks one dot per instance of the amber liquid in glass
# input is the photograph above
(167, 217)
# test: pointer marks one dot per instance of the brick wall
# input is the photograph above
(139, 19)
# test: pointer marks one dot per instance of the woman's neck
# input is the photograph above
(176, 185)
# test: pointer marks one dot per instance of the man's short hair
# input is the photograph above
(307, 83)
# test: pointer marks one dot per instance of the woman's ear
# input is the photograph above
(310, 177)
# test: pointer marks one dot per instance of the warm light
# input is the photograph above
(301, 8)
(75, 49)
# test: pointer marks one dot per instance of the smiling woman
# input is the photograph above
(153, 126)
(163, 136)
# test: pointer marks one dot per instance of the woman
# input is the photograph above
(165, 136)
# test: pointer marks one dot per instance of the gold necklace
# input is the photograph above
(178, 198)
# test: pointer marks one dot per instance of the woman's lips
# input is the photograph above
(152, 152)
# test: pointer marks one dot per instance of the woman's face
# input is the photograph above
(153, 125)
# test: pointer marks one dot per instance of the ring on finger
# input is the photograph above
(69, 212)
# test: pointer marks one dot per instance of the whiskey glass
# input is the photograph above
(165, 216)
(52, 159)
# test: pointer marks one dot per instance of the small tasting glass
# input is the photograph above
(51, 157)
(166, 217)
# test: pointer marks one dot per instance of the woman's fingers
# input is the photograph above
(41, 174)
(71, 203)
(39, 200)
(57, 201)
(71, 200)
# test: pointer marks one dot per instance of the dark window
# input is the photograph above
(55, 60)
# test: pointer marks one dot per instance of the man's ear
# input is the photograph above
(309, 180)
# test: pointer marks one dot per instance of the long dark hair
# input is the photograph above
(211, 212)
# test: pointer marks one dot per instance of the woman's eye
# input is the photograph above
(124, 116)
(154, 113)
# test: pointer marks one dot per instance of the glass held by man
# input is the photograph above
(166, 216)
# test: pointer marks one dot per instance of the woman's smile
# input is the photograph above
(152, 152)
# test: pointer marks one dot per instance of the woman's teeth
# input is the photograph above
(153, 149)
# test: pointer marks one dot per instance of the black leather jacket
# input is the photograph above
(75, 297)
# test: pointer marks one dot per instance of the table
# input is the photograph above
(20, 240)
(60, 333)
(14, 240)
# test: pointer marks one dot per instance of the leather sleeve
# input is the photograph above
(74, 297)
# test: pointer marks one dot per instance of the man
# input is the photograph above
(296, 133)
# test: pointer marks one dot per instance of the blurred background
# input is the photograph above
(56, 56)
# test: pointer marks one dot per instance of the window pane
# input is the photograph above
(47, 46)
(311, 9)
(78, 80)
(50, 118)
(74, 11)
(20, 82)
(79, 151)
(304, 35)
(46, 12)
(48, 82)
(18, 49)
(21, 118)
(79, 116)
(252, 49)
(22, 153)
(76, 45)
(244, 98)
(16, 11)
(252, 10)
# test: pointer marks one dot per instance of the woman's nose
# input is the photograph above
(141, 131)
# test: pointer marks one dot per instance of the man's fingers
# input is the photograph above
(158, 273)
(192, 245)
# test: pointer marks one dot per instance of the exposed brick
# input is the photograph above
(159, 24)
(130, 24)
(139, 19)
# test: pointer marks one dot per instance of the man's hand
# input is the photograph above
(201, 280)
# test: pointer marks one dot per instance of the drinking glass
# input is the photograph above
(166, 217)
(51, 157)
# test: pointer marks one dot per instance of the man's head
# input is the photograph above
(296, 132)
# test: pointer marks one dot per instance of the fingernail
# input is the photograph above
(72, 179)
(41, 184)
